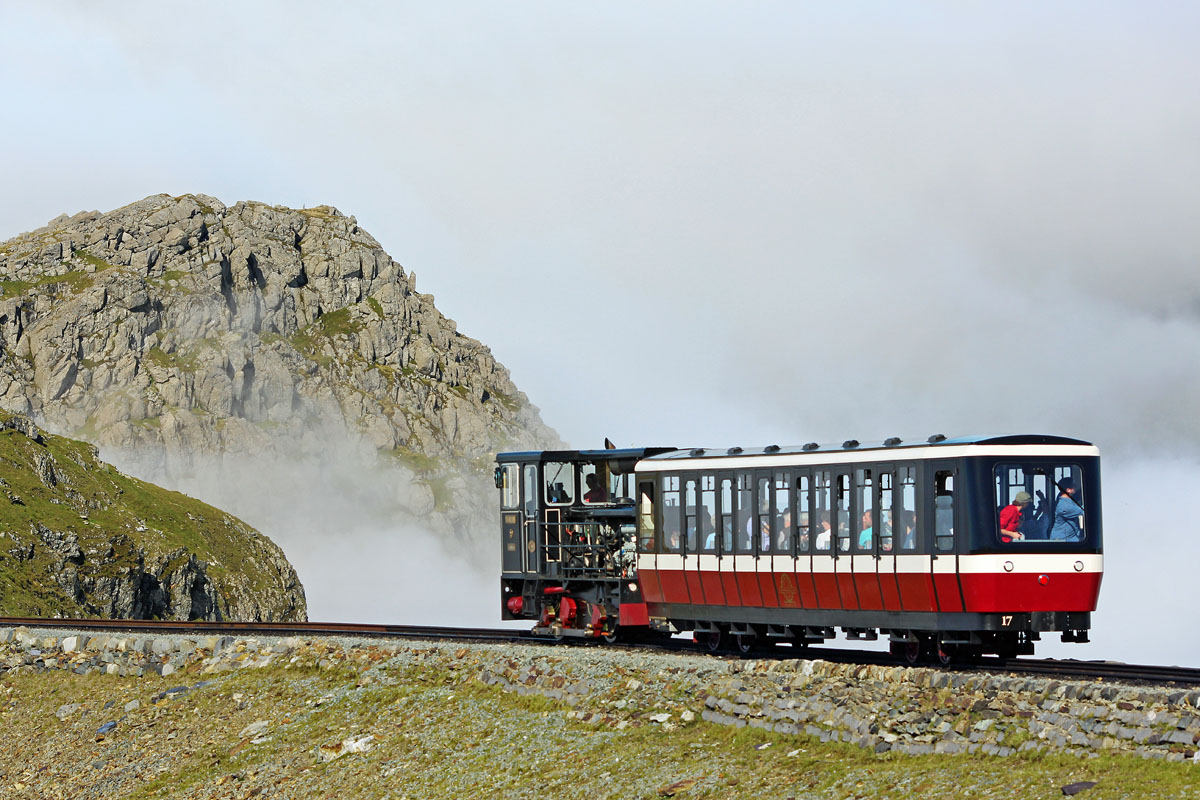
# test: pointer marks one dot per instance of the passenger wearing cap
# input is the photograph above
(1067, 513)
(1010, 517)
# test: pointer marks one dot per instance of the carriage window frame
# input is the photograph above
(743, 514)
(1050, 470)
(647, 530)
(669, 488)
(944, 485)
(863, 501)
(802, 513)
(708, 513)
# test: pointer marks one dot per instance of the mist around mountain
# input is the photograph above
(275, 362)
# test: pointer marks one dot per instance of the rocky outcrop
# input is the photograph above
(80, 539)
(176, 327)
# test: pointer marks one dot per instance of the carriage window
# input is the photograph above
(646, 517)
(943, 511)
(670, 506)
(864, 525)
(510, 494)
(908, 508)
(531, 490)
(560, 482)
(744, 522)
(726, 525)
(885, 512)
(783, 515)
(822, 510)
(708, 513)
(596, 483)
(690, 515)
(764, 523)
(842, 511)
(1039, 503)
(804, 519)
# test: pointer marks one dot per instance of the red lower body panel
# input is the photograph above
(714, 592)
(633, 614)
(651, 586)
(747, 583)
(1012, 591)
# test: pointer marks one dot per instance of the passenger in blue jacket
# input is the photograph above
(1067, 512)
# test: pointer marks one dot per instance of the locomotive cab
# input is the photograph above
(568, 549)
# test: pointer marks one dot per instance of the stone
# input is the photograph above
(67, 710)
(132, 705)
(254, 729)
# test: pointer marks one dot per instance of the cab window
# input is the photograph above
(560, 482)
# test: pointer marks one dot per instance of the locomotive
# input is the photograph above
(951, 547)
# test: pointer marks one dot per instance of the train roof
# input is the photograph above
(812, 448)
(854, 446)
(618, 454)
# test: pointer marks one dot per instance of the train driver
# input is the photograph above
(596, 492)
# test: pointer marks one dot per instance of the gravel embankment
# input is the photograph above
(217, 718)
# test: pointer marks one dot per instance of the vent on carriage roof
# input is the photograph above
(892, 441)
(937, 437)
(699, 451)
(850, 444)
(811, 446)
(733, 451)
(771, 448)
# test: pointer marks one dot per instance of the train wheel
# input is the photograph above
(744, 642)
(556, 631)
(611, 636)
(912, 652)
(713, 642)
(944, 654)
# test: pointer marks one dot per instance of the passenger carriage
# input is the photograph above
(747, 547)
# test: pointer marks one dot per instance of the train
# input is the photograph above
(951, 547)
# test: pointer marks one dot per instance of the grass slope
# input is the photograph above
(113, 516)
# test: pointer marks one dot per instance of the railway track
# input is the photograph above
(1048, 667)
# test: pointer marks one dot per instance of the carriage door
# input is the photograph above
(945, 514)
(531, 491)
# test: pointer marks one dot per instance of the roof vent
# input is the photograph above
(699, 451)
(733, 451)
(892, 441)
(771, 448)
(808, 448)
(937, 437)
(850, 444)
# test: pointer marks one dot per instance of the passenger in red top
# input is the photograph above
(1010, 517)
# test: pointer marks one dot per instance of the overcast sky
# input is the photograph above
(707, 224)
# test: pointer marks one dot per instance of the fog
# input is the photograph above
(696, 224)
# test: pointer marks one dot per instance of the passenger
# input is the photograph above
(802, 539)
(1067, 512)
(908, 540)
(1011, 517)
(764, 530)
(783, 540)
(825, 533)
(867, 534)
(596, 492)
(673, 541)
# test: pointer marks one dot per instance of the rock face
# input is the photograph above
(177, 327)
(78, 538)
